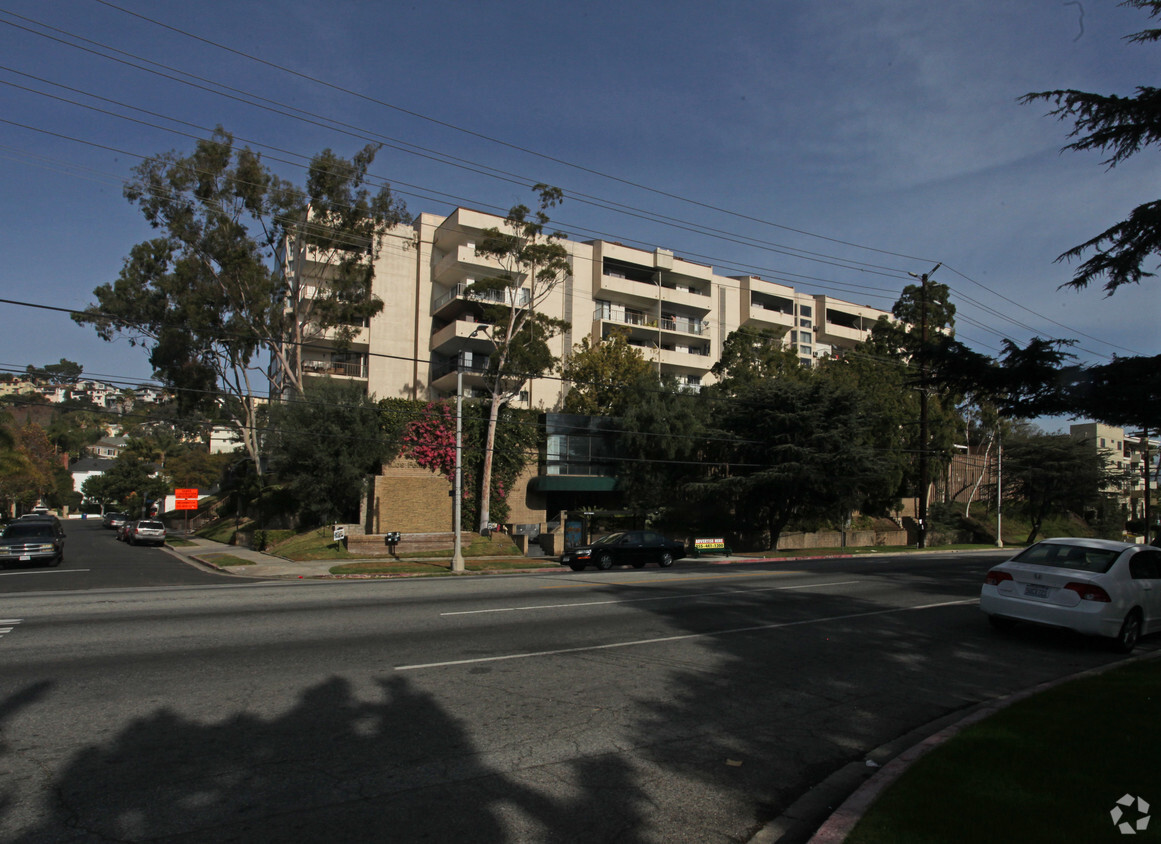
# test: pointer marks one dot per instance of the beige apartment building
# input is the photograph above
(1131, 457)
(677, 312)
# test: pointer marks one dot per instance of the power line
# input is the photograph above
(843, 263)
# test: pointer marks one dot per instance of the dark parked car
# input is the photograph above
(32, 541)
(114, 520)
(634, 547)
(125, 531)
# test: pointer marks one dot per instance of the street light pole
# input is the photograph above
(457, 562)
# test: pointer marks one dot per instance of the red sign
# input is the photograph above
(186, 499)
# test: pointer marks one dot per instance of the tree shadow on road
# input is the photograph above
(332, 768)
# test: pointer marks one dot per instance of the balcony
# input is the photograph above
(449, 303)
(461, 334)
(768, 316)
(444, 371)
(461, 263)
(675, 324)
(344, 369)
(643, 291)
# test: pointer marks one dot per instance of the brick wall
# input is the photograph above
(525, 507)
(410, 499)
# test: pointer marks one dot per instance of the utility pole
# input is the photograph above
(1145, 470)
(999, 488)
(923, 437)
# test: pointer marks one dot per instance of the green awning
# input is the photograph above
(572, 483)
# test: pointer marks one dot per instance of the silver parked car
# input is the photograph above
(147, 532)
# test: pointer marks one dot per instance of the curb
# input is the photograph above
(813, 818)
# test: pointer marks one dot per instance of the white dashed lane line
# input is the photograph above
(7, 624)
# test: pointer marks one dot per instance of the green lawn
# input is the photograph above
(1049, 768)
(228, 560)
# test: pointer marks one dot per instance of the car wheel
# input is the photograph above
(577, 566)
(1130, 632)
(666, 560)
(604, 561)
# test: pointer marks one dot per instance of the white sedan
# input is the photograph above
(1093, 586)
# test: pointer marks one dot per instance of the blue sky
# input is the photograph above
(881, 136)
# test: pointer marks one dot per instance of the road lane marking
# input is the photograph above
(657, 598)
(680, 638)
(670, 579)
(7, 624)
(44, 571)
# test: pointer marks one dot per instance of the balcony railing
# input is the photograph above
(681, 325)
(475, 364)
(350, 369)
(491, 297)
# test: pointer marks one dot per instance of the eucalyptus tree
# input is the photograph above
(531, 264)
(213, 296)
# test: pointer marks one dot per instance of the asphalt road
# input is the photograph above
(94, 559)
(685, 705)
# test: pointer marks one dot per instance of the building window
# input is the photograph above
(804, 323)
(805, 310)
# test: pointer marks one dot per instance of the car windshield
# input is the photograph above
(1063, 556)
(29, 529)
(609, 540)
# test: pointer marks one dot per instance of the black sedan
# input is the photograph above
(633, 547)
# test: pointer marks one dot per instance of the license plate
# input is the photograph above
(24, 558)
(1033, 590)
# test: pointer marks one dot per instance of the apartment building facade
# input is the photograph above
(677, 312)
(1131, 457)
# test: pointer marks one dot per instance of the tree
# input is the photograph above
(662, 447)
(156, 443)
(196, 468)
(209, 297)
(750, 356)
(1120, 126)
(71, 431)
(532, 264)
(338, 227)
(322, 448)
(128, 483)
(1053, 474)
(893, 369)
(65, 372)
(601, 375)
(792, 450)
